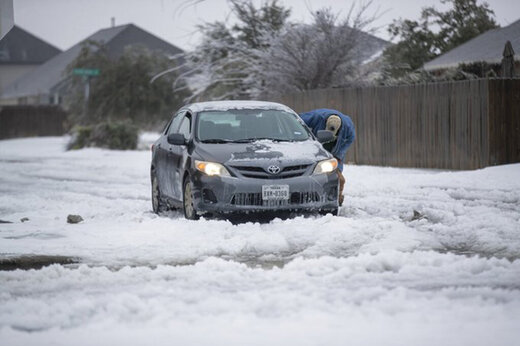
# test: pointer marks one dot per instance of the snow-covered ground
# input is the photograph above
(373, 275)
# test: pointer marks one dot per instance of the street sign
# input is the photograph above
(91, 72)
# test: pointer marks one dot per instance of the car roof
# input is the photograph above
(226, 105)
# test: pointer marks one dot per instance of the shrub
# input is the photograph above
(80, 137)
(110, 135)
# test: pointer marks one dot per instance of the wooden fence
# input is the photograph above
(30, 121)
(452, 125)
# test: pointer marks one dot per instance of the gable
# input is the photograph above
(20, 47)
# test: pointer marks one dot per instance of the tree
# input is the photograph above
(435, 33)
(326, 53)
(263, 54)
(256, 26)
(123, 90)
(225, 63)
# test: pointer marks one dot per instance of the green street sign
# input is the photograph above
(91, 72)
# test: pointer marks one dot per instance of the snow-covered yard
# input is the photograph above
(374, 275)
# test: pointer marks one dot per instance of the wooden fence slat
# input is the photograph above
(451, 125)
(30, 121)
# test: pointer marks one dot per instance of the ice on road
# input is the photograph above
(376, 274)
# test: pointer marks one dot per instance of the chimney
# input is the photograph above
(113, 21)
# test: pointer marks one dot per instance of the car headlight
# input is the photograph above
(211, 168)
(326, 166)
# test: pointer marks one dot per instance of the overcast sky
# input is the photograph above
(64, 23)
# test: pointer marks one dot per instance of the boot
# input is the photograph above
(341, 187)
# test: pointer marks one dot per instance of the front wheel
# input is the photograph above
(187, 201)
(158, 205)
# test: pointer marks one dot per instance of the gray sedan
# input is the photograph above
(240, 157)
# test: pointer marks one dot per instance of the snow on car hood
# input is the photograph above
(263, 150)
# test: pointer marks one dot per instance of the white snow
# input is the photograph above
(296, 151)
(227, 105)
(371, 276)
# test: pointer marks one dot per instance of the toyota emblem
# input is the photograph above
(273, 169)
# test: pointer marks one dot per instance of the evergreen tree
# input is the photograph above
(123, 90)
(435, 33)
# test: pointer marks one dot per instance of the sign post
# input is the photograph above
(87, 73)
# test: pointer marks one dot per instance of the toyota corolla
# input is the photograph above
(239, 157)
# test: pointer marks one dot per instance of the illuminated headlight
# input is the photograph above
(326, 166)
(211, 168)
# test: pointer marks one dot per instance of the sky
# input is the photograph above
(64, 23)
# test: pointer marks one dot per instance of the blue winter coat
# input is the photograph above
(317, 119)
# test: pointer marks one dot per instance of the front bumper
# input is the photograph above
(231, 195)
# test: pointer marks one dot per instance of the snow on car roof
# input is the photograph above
(225, 105)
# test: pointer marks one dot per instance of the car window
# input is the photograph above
(174, 127)
(250, 124)
(185, 127)
(166, 127)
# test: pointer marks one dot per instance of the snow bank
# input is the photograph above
(363, 299)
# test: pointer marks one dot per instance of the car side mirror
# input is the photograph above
(325, 136)
(176, 139)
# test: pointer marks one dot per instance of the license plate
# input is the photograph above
(275, 192)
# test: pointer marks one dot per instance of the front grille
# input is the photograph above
(255, 199)
(304, 197)
(247, 199)
(261, 173)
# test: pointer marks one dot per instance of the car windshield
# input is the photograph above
(246, 125)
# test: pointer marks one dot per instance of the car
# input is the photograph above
(228, 157)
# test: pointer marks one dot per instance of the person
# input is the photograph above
(344, 133)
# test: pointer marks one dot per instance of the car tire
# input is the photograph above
(190, 212)
(158, 204)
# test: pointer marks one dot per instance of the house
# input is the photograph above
(44, 85)
(487, 47)
(20, 53)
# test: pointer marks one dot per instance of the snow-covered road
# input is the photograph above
(374, 275)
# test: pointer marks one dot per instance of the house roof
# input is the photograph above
(50, 74)
(21, 47)
(485, 47)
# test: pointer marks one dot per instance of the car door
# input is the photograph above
(175, 158)
(166, 174)
(159, 157)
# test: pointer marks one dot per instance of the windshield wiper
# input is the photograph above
(217, 140)
(247, 140)
(243, 140)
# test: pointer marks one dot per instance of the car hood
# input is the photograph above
(304, 152)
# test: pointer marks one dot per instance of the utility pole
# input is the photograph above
(86, 80)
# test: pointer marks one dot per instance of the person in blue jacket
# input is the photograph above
(344, 133)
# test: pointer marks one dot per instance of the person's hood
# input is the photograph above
(235, 154)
